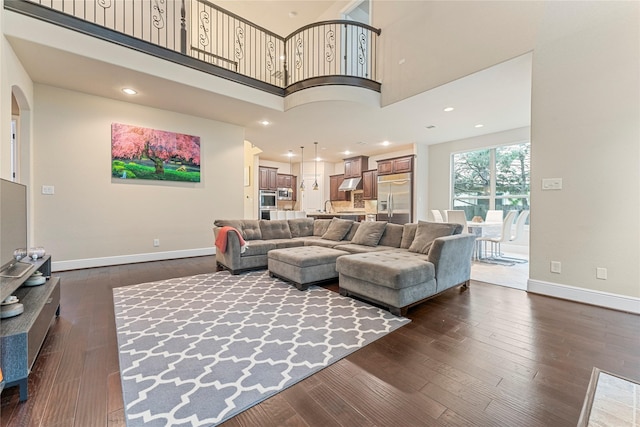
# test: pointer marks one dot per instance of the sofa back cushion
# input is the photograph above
(338, 228)
(320, 226)
(427, 232)
(275, 229)
(392, 235)
(408, 234)
(352, 231)
(248, 228)
(301, 227)
(369, 233)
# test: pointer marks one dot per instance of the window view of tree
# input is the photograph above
(496, 178)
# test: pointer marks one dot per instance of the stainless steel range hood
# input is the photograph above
(350, 184)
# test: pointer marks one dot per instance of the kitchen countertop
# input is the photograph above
(329, 215)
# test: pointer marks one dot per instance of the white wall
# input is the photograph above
(585, 129)
(94, 220)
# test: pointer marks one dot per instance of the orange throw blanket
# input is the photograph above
(221, 240)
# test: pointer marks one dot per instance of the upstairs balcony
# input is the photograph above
(201, 35)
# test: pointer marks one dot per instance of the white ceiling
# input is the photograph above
(498, 97)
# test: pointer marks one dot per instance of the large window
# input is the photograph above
(495, 178)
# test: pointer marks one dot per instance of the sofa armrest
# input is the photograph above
(231, 257)
(451, 256)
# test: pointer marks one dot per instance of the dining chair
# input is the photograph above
(520, 221)
(494, 242)
(494, 215)
(458, 217)
(437, 216)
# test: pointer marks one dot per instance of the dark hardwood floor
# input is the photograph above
(488, 356)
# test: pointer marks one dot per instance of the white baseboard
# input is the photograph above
(129, 259)
(587, 296)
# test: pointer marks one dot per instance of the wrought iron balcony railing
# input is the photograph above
(222, 43)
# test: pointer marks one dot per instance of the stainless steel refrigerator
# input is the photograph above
(395, 203)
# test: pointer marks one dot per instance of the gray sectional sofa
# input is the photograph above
(394, 265)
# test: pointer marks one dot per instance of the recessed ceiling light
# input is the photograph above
(129, 91)
(347, 152)
(265, 123)
(385, 143)
(479, 125)
(449, 109)
(293, 14)
(430, 126)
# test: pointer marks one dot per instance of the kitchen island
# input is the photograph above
(352, 215)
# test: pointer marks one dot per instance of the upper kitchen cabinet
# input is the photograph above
(354, 166)
(268, 178)
(370, 185)
(395, 165)
(285, 181)
(334, 193)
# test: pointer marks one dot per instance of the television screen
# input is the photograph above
(13, 221)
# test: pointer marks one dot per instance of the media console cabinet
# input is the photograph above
(22, 336)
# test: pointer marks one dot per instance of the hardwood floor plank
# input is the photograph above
(62, 405)
(488, 356)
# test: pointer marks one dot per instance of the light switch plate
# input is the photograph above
(552, 183)
(48, 190)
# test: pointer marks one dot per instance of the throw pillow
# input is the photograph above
(369, 233)
(320, 226)
(337, 229)
(427, 232)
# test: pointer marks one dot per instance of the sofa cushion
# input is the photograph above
(427, 232)
(369, 233)
(352, 231)
(337, 229)
(275, 229)
(301, 227)
(249, 228)
(408, 234)
(320, 226)
(392, 235)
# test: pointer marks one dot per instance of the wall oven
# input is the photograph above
(268, 203)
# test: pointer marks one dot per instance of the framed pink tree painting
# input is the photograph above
(143, 153)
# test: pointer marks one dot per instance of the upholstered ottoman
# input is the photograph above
(304, 266)
(395, 280)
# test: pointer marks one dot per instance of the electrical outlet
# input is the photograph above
(556, 267)
(601, 273)
(156, 242)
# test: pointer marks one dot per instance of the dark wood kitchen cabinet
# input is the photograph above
(334, 193)
(268, 179)
(395, 165)
(284, 181)
(354, 166)
(370, 185)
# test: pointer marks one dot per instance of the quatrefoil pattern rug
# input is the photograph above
(195, 351)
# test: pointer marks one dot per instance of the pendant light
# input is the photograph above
(302, 168)
(315, 168)
(290, 156)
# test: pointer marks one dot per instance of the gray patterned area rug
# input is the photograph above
(195, 351)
